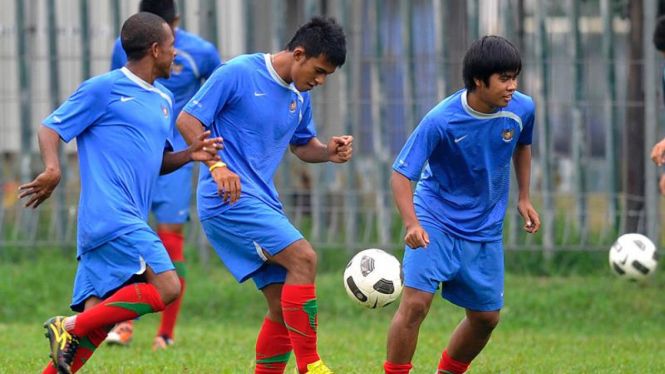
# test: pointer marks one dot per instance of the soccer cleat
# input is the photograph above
(162, 341)
(317, 367)
(63, 344)
(121, 334)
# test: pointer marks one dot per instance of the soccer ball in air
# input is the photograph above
(633, 256)
(373, 278)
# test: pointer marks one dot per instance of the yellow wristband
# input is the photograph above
(216, 165)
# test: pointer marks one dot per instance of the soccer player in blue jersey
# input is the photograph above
(260, 105)
(123, 123)
(195, 61)
(454, 220)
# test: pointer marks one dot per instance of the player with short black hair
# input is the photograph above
(123, 123)
(196, 59)
(260, 105)
(454, 221)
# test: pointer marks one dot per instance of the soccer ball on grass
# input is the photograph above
(373, 278)
(633, 256)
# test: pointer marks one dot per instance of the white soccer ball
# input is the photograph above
(373, 278)
(633, 256)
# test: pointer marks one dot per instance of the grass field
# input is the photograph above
(555, 324)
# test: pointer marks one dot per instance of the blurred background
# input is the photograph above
(589, 64)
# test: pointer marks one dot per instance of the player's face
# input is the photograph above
(500, 90)
(166, 54)
(308, 73)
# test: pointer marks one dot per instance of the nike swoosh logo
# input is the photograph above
(457, 140)
(124, 98)
(57, 119)
(259, 94)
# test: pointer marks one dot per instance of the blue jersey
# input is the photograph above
(258, 115)
(464, 187)
(122, 126)
(195, 61)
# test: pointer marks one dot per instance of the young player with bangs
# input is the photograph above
(123, 123)
(260, 105)
(454, 219)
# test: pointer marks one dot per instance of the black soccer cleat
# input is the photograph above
(63, 344)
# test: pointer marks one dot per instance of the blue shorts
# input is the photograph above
(470, 273)
(240, 234)
(172, 195)
(105, 269)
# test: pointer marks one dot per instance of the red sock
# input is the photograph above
(300, 317)
(273, 348)
(127, 303)
(174, 246)
(391, 368)
(449, 366)
(87, 346)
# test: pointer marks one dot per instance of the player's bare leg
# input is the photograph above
(299, 304)
(404, 328)
(472, 334)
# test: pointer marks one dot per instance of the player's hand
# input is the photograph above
(340, 149)
(205, 149)
(531, 219)
(40, 189)
(658, 153)
(416, 237)
(661, 184)
(228, 184)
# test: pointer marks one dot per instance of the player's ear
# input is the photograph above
(299, 53)
(155, 49)
(478, 82)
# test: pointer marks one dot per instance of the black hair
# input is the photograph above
(659, 34)
(139, 33)
(321, 36)
(489, 55)
(163, 8)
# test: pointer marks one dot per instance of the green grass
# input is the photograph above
(555, 324)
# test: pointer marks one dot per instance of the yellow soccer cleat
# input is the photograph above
(317, 367)
(63, 344)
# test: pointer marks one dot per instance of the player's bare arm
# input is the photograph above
(42, 187)
(228, 182)
(416, 236)
(522, 162)
(658, 153)
(201, 149)
(338, 150)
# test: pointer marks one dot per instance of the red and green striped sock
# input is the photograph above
(127, 303)
(449, 366)
(300, 311)
(273, 348)
(174, 246)
(390, 368)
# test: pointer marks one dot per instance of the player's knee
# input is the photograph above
(170, 291)
(486, 321)
(414, 312)
(305, 258)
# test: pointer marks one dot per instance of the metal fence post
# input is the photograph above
(651, 118)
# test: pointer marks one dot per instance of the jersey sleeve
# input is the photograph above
(218, 90)
(306, 129)
(417, 150)
(81, 110)
(119, 57)
(526, 135)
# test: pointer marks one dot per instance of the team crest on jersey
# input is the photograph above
(177, 68)
(292, 107)
(165, 111)
(507, 135)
